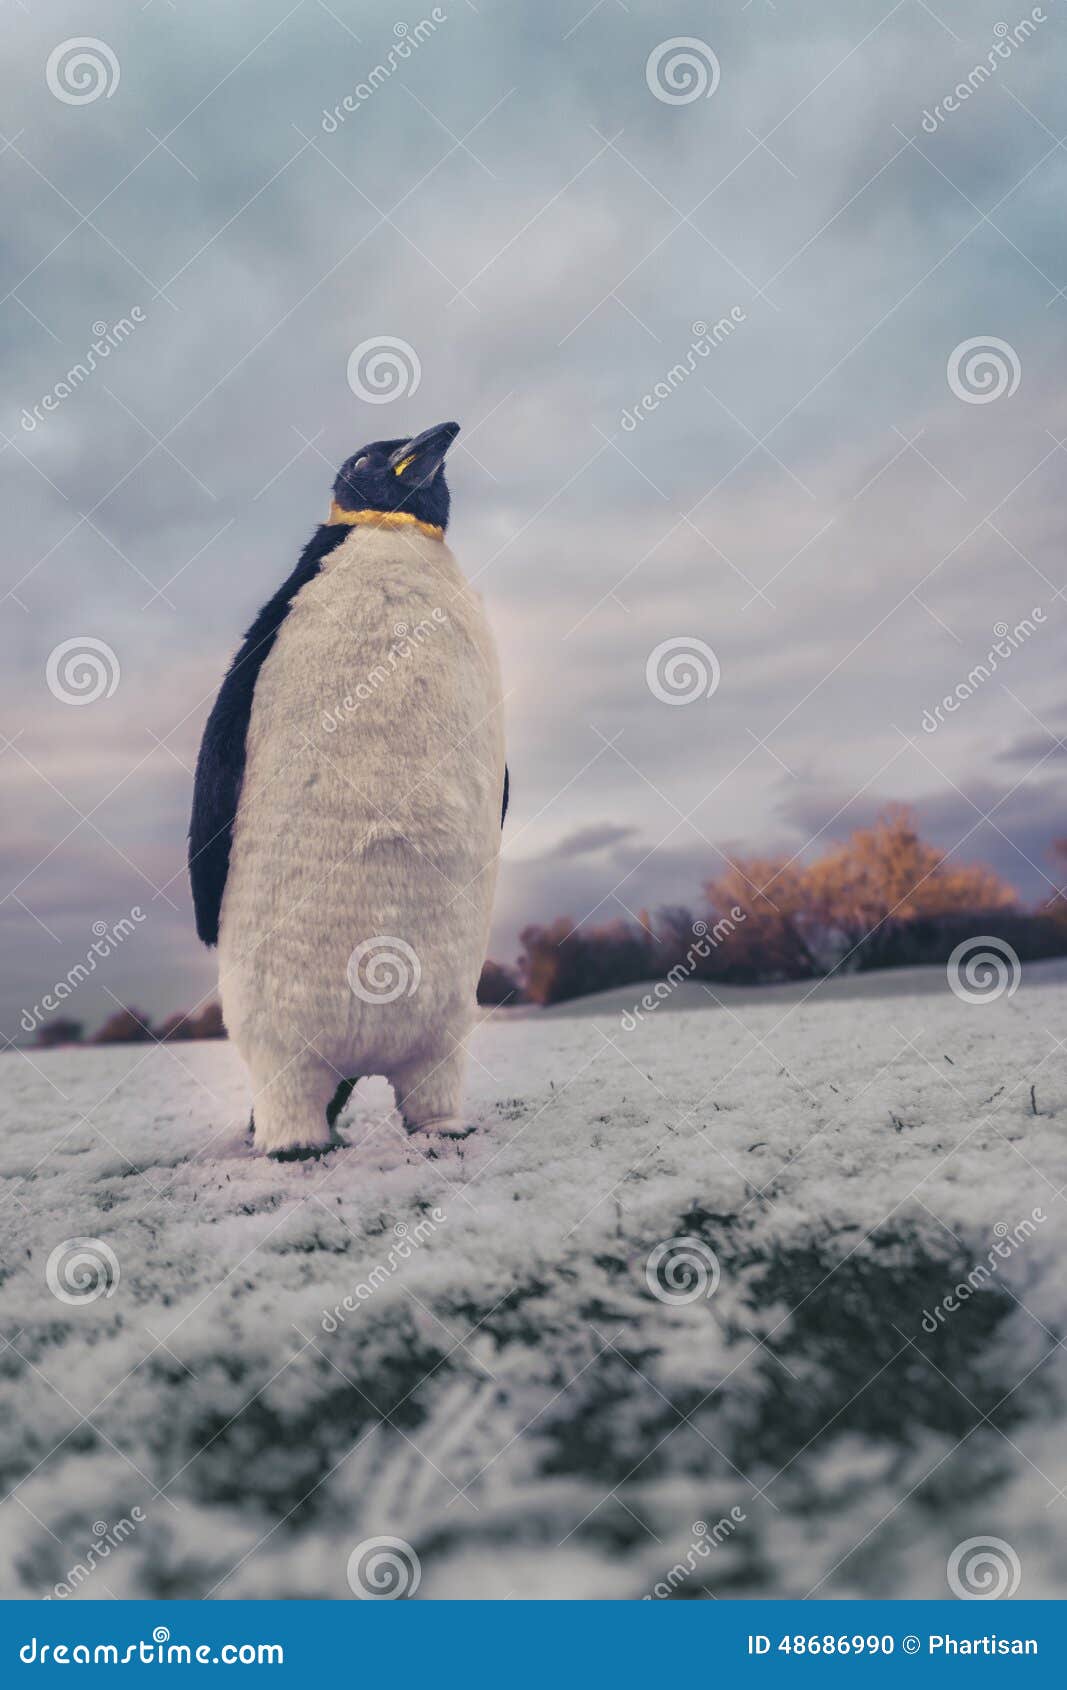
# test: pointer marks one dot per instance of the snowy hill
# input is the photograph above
(511, 1389)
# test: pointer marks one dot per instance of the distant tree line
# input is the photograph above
(883, 898)
(132, 1027)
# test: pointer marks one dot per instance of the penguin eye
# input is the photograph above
(361, 461)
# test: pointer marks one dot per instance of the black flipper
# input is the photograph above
(220, 766)
(504, 805)
(339, 1101)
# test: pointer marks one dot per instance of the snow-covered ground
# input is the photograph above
(505, 1391)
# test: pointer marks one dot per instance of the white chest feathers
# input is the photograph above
(370, 811)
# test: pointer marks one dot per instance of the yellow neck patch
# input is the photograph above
(384, 519)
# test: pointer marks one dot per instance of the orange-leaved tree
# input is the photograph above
(884, 878)
(772, 940)
(1056, 902)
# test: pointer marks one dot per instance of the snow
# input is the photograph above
(502, 1389)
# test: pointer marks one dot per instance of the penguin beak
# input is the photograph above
(419, 460)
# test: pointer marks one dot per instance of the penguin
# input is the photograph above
(348, 799)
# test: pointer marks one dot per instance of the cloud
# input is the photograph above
(1030, 748)
(1012, 828)
(812, 500)
(587, 840)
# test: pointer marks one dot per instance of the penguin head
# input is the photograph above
(399, 475)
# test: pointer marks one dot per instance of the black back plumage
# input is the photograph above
(220, 766)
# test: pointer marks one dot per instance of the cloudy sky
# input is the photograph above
(550, 206)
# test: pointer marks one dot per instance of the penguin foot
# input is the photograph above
(304, 1153)
(443, 1126)
(298, 1152)
(339, 1101)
